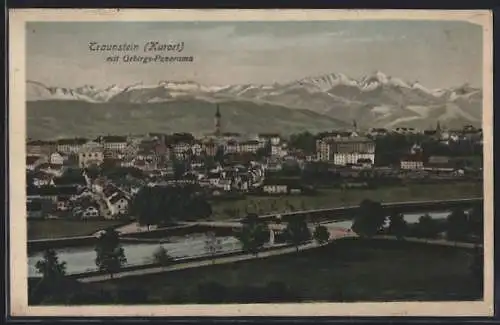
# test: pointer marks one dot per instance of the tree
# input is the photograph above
(163, 205)
(200, 208)
(264, 151)
(50, 267)
(321, 234)
(161, 256)
(397, 225)
(457, 225)
(179, 168)
(427, 227)
(110, 255)
(253, 235)
(304, 141)
(369, 219)
(297, 232)
(213, 245)
(219, 155)
(109, 164)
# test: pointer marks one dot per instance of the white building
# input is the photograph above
(345, 150)
(113, 142)
(275, 189)
(411, 164)
(118, 204)
(90, 212)
(250, 146)
(56, 158)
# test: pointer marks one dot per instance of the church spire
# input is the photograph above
(217, 113)
(217, 121)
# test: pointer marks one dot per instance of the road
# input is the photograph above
(208, 261)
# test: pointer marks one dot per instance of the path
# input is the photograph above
(209, 261)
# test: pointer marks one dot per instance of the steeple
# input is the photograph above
(438, 126)
(217, 121)
(217, 113)
(354, 126)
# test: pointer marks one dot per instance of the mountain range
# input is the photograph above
(314, 103)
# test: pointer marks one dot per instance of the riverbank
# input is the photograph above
(336, 198)
(45, 229)
(345, 270)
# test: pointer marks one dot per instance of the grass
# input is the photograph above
(332, 198)
(347, 270)
(42, 229)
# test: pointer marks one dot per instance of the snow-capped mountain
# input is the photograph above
(375, 99)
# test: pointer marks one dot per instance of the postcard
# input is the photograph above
(250, 163)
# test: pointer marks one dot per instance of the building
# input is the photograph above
(90, 156)
(231, 146)
(275, 189)
(90, 212)
(113, 142)
(250, 146)
(118, 204)
(57, 158)
(42, 179)
(181, 149)
(52, 169)
(412, 162)
(70, 145)
(209, 147)
(345, 150)
(378, 132)
(39, 147)
(33, 162)
(273, 138)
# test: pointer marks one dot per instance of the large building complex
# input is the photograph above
(345, 150)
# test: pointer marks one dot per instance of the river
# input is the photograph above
(82, 259)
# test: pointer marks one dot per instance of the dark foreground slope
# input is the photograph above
(347, 270)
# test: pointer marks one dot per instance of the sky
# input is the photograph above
(438, 54)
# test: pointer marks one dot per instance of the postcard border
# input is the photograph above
(18, 255)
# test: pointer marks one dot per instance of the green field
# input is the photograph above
(332, 198)
(41, 229)
(347, 270)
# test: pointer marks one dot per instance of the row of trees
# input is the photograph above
(458, 226)
(255, 233)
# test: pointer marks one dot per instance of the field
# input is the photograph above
(41, 229)
(332, 198)
(347, 270)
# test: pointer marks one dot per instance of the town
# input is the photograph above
(98, 178)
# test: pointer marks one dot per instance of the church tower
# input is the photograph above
(217, 122)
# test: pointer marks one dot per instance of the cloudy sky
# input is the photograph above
(437, 54)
